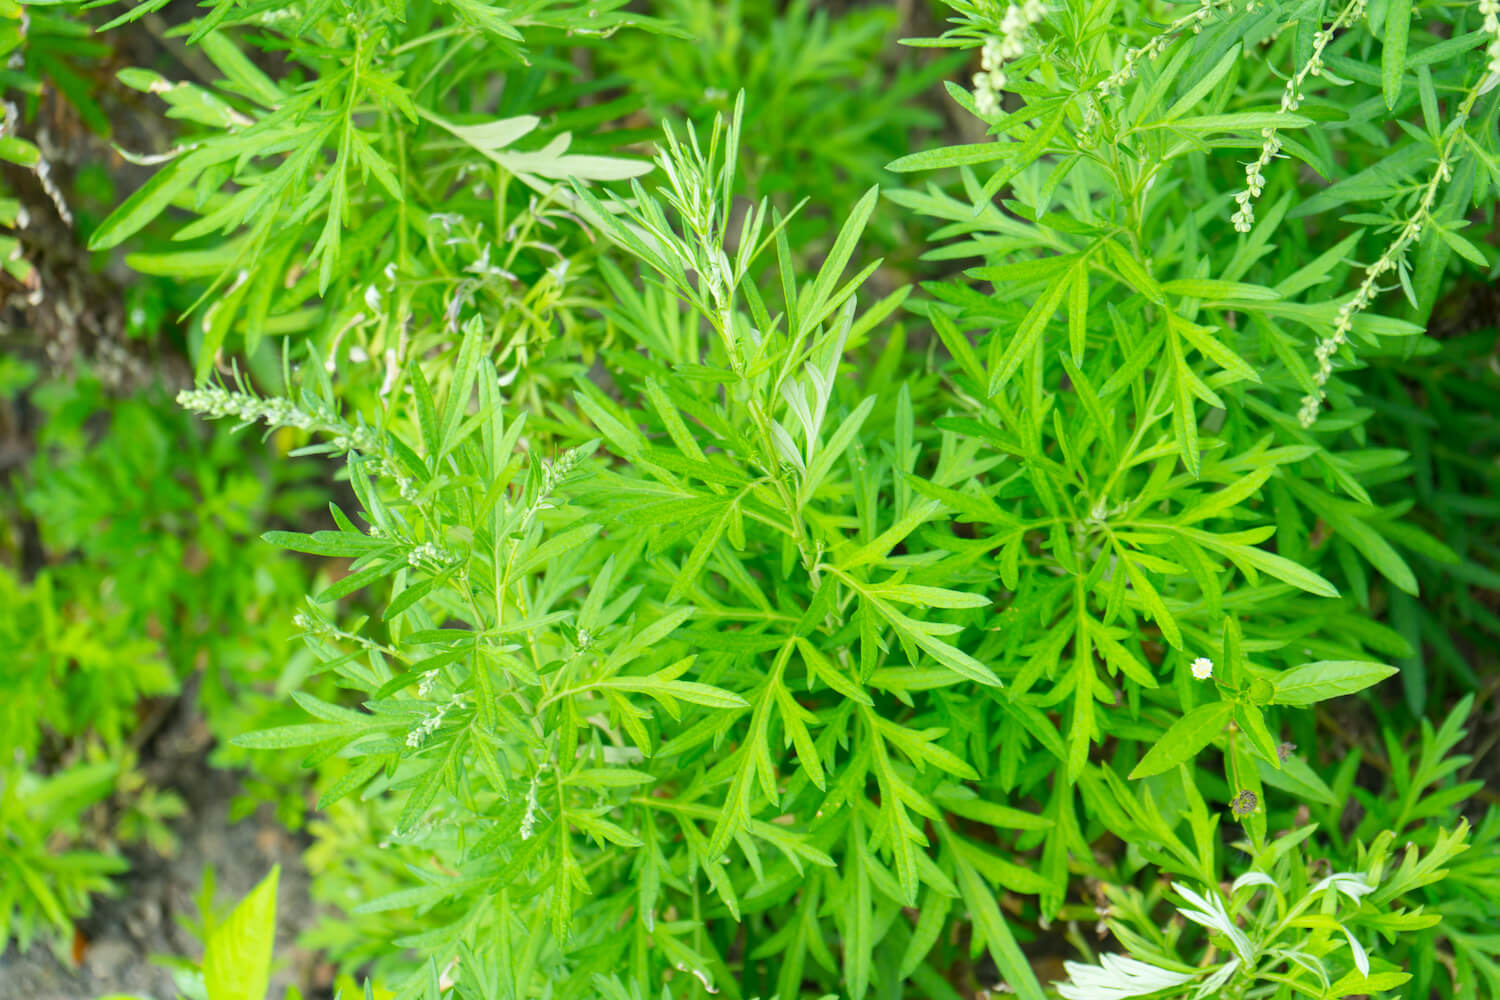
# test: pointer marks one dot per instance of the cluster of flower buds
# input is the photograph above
(1490, 11)
(1000, 49)
(216, 402)
(1255, 180)
(428, 725)
(428, 553)
(1343, 321)
(533, 807)
(556, 471)
(1130, 65)
(312, 625)
(1408, 232)
(1291, 99)
(553, 473)
(360, 439)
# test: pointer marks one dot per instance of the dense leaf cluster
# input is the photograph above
(713, 608)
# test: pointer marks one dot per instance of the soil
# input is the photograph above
(115, 944)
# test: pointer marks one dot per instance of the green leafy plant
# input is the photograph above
(708, 608)
(45, 888)
(691, 677)
(309, 210)
(1416, 866)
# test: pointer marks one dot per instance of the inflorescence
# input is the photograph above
(1392, 259)
(1291, 100)
(998, 50)
(1490, 11)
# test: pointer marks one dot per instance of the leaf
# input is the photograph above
(356, 777)
(1357, 983)
(953, 156)
(1117, 656)
(991, 927)
(146, 202)
(970, 506)
(829, 673)
(1345, 519)
(1051, 117)
(19, 151)
(324, 543)
(795, 718)
(1152, 601)
(1006, 354)
(1298, 779)
(403, 899)
(929, 597)
(958, 345)
(237, 956)
(921, 635)
(820, 300)
(829, 453)
(603, 830)
(1132, 270)
(358, 580)
(627, 440)
(1201, 89)
(931, 921)
(1186, 737)
(1315, 682)
(1373, 182)
(1215, 290)
(282, 737)
(964, 802)
(648, 637)
(1393, 55)
(240, 70)
(1253, 724)
(1078, 311)
(698, 694)
(1462, 247)
(956, 659)
(1248, 121)
(692, 567)
(1210, 347)
(548, 552)
(491, 136)
(1280, 567)
(1118, 977)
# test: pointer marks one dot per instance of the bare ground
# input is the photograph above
(115, 944)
